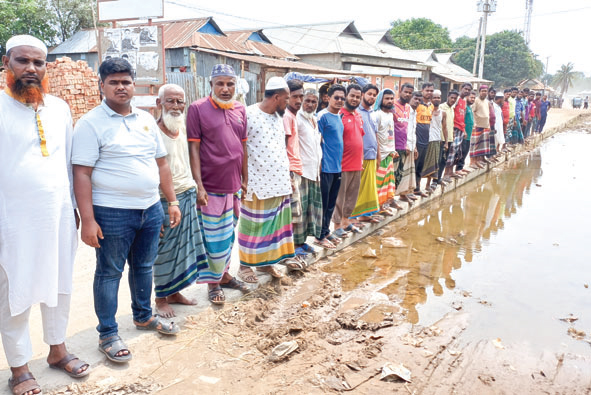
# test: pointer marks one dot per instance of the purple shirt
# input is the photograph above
(401, 119)
(221, 133)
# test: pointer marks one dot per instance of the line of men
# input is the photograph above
(164, 196)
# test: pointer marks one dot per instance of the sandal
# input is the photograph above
(324, 243)
(371, 220)
(247, 275)
(19, 381)
(300, 252)
(61, 365)
(113, 345)
(342, 233)
(216, 295)
(333, 239)
(236, 284)
(308, 248)
(295, 265)
(158, 324)
(353, 228)
(270, 270)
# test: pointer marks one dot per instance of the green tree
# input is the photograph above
(565, 77)
(26, 17)
(72, 15)
(507, 59)
(420, 33)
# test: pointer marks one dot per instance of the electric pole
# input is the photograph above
(477, 46)
(486, 7)
(529, 6)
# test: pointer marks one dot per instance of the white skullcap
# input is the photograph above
(25, 39)
(276, 83)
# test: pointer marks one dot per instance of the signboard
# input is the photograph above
(119, 10)
(139, 45)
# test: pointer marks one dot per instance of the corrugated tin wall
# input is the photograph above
(195, 86)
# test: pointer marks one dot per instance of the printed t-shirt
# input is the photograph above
(401, 119)
(331, 129)
(352, 140)
(460, 114)
(385, 121)
(268, 166)
(221, 133)
(293, 142)
(481, 113)
(423, 123)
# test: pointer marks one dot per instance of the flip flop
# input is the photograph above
(324, 243)
(236, 284)
(248, 276)
(111, 347)
(308, 248)
(300, 252)
(61, 365)
(342, 233)
(294, 265)
(353, 228)
(23, 378)
(333, 239)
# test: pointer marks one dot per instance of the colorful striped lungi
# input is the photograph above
(455, 148)
(408, 180)
(265, 232)
(479, 142)
(493, 142)
(385, 181)
(310, 222)
(431, 164)
(218, 220)
(180, 251)
(367, 199)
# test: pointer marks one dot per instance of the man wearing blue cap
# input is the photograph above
(216, 130)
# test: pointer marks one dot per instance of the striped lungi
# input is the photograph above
(431, 164)
(455, 148)
(218, 220)
(310, 222)
(480, 142)
(367, 199)
(385, 181)
(265, 232)
(493, 142)
(180, 251)
(408, 179)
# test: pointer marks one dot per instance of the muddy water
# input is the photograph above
(511, 248)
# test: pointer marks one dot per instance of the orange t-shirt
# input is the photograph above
(290, 125)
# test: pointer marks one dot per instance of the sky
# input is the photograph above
(560, 29)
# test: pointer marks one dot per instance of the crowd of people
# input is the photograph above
(165, 195)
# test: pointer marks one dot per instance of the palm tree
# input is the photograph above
(564, 77)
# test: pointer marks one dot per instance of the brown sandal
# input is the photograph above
(248, 276)
(19, 385)
(61, 365)
(270, 270)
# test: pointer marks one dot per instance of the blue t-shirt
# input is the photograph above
(331, 129)
(545, 105)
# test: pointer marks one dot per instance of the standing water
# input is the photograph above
(511, 248)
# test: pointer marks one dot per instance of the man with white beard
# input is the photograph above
(181, 251)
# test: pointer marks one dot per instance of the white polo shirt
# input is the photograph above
(123, 152)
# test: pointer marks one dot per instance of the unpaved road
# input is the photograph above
(343, 339)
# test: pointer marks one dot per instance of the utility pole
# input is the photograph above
(476, 50)
(546, 72)
(529, 7)
(486, 7)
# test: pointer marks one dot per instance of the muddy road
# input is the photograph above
(484, 291)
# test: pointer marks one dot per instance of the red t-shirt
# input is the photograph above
(506, 112)
(352, 140)
(460, 114)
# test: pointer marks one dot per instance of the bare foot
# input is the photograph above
(164, 309)
(179, 298)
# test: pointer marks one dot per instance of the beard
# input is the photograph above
(367, 104)
(174, 123)
(307, 115)
(27, 92)
(280, 112)
(223, 104)
(387, 106)
(350, 107)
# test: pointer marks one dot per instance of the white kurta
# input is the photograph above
(38, 237)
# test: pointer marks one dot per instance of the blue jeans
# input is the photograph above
(132, 236)
(329, 188)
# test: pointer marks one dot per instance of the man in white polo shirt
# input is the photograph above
(118, 157)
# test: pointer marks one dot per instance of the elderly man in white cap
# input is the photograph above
(265, 231)
(216, 130)
(38, 236)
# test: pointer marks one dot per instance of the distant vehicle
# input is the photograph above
(577, 102)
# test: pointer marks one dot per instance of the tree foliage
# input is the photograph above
(52, 21)
(26, 17)
(565, 77)
(420, 33)
(507, 59)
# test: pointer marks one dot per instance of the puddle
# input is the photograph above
(510, 248)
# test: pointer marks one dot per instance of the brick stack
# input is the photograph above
(74, 82)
